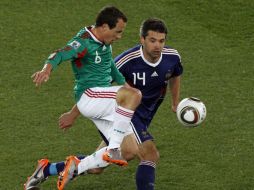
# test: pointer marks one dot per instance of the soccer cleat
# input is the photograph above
(38, 176)
(114, 156)
(70, 172)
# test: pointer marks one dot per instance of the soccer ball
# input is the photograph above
(191, 112)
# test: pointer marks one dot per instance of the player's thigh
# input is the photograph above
(99, 102)
(148, 151)
(129, 147)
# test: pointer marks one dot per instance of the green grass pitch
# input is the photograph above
(215, 39)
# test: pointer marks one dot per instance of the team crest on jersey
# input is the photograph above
(75, 44)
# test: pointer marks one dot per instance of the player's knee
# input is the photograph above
(129, 153)
(135, 95)
(129, 97)
(150, 152)
(153, 156)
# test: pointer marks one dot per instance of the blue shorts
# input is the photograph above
(140, 130)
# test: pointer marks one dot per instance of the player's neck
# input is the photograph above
(97, 33)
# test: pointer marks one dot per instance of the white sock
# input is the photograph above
(122, 121)
(92, 161)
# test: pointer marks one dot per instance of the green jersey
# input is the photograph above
(92, 62)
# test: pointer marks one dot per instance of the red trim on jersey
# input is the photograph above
(85, 35)
(90, 29)
(82, 54)
(78, 63)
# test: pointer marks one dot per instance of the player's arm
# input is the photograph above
(72, 50)
(67, 119)
(174, 84)
(116, 75)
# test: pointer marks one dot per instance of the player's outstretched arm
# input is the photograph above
(67, 119)
(43, 75)
(175, 92)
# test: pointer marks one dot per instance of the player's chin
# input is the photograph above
(156, 55)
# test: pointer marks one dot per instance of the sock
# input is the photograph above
(145, 175)
(93, 161)
(53, 169)
(122, 121)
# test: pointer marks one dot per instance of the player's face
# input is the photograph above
(113, 34)
(153, 44)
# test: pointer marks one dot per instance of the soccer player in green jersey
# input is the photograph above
(155, 61)
(93, 67)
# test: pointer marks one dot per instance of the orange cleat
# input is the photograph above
(37, 177)
(70, 172)
(114, 156)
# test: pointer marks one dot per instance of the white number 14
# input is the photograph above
(137, 76)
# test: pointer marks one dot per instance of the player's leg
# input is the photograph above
(74, 167)
(94, 164)
(145, 174)
(127, 101)
(129, 147)
(43, 170)
(101, 103)
(148, 154)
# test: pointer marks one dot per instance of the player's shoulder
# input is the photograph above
(167, 50)
(128, 55)
(84, 33)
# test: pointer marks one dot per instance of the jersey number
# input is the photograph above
(97, 58)
(137, 76)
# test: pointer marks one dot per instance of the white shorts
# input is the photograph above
(99, 105)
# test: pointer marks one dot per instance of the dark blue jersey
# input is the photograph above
(150, 78)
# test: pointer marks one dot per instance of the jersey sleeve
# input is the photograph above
(116, 75)
(73, 49)
(178, 70)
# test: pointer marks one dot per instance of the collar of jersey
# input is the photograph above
(93, 36)
(148, 62)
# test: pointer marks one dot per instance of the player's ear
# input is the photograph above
(105, 27)
(142, 40)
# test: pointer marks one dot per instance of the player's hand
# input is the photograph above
(66, 120)
(40, 76)
(173, 108)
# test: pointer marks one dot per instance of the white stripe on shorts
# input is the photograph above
(136, 134)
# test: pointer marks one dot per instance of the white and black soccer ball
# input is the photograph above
(191, 112)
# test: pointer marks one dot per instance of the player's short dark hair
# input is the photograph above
(109, 15)
(153, 24)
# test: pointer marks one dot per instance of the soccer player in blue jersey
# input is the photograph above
(149, 67)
